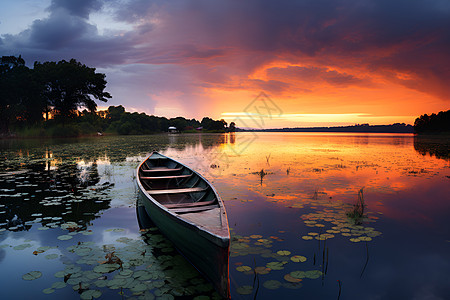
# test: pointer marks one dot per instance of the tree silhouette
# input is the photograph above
(70, 85)
(433, 123)
(232, 127)
(20, 101)
(61, 88)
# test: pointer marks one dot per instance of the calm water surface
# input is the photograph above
(68, 212)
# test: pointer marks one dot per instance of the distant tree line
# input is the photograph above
(117, 120)
(58, 99)
(433, 123)
(393, 128)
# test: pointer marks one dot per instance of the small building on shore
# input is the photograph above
(173, 129)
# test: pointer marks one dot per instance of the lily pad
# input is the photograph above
(256, 236)
(106, 268)
(314, 274)
(21, 247)
(51, 256)
(101, 283)
(272, 284)
(90, 294)
(289, 278)
(275, 265)
(262, 270)
(126, 272)
(298, 258)
(292, 285)
(138, 287)
(243, 268)
(307, 237)
(32, 275)
(244, 290)
(59, 285)
(48, 291)
(43, 248)
(298, 274)
(64, 237)
(284, 252)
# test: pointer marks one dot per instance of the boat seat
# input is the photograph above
(193, 209)
(190, 204)
(166, 177)
(176, 191)
(161, 169)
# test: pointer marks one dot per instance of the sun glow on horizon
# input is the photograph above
(245, 119)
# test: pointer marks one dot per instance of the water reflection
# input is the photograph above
(49, 196)
(54, 183)
(437, 146)
(298, 211)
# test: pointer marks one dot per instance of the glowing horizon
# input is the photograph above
(332, 64)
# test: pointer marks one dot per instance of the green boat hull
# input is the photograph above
(204, 252)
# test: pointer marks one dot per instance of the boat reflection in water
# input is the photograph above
(189, 212)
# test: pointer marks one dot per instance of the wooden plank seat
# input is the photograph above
(176, 191)
(161, 169)
(167, 177)
(190, 204)
(194, 209)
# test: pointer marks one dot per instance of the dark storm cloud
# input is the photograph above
(59, 31)
(80, 8)
(65, 34)
(411, 37)
(406, 36)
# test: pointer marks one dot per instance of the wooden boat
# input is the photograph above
(189, 212)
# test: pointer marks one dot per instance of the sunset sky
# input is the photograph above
(320, 62)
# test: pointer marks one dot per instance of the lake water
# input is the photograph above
(292, 199)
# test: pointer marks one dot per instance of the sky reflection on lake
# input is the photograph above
(287, 195)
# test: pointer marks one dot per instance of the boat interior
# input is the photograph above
(175, 186)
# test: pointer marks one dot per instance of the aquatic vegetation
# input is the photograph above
(245, 290)
(357, 213)
(257, 246)
(135, 268)
(298, 258)
(335, 220)
(42, 195)
(261, 174)
(32, 275)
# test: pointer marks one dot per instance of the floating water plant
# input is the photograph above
(298, 258)
(244, 290)
(283, 252)
(357, 213)
(32, 275)
(272, 284)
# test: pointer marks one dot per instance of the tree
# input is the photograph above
(70, 85)
(232, 127)
(433, 123)
(20, 103)
(210, 124)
